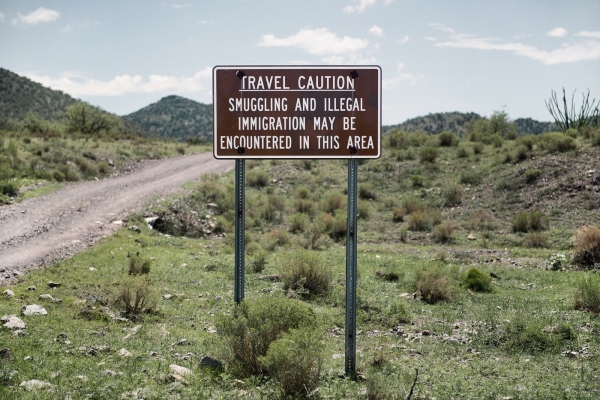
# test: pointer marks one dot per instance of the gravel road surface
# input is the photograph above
(38, 231)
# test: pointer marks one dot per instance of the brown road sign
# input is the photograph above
(297, 111)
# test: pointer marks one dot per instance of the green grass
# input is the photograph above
(509, 342)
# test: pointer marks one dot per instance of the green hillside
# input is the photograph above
(176, 118)
(20, 95)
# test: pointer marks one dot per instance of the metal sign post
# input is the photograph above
(351, 242)
(240, 197)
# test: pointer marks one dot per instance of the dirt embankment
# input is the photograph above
(52, 227)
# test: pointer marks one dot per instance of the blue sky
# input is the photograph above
(436, 55)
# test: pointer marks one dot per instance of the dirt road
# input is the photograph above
(52, 227)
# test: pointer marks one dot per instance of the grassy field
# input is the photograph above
(508, 208)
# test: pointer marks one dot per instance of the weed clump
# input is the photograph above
(257, 178)
(587, 295)
(295, 361)
(304, 273)
(259, 262)
(135, 298)
(254, 325)
(527, 336)
(428, 155)
(587, 246)
(525, 221)
(443, 233)
(478, 281)
(396, 314)
(366, 191)
(452, 194)
(434, 285)
(139, 265)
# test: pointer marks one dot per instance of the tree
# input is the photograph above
(498, 124)
(84, 118)
(567, 118)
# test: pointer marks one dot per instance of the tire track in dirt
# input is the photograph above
(44, 229)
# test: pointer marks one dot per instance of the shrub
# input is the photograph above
(536, 239)
(447, 139)
(398, 214)
(417, 181)
(478, 148)
(428, 154)
(304, 273)
(135, 297)
(181, 150)
(520, 153)
(462, 152)
(452, 194)
(528, 141)
(532, 175)
(304, 206)
(483, 220)
(333, 202)
(254, 324)
(587, 295)
(257, 178)
(298, 222)
(434, 285)
(259, 261)
(419, 221)
(302, 193)
(555, 142)
(478, 281)
(471, 177)
(366, 191)
(139, 265)
(363, 210)
(536, 220)
(587, 246)
(412, 204)
(443, 233)
(58, 176)
(295, 360)
(279, 237)
(519, 222)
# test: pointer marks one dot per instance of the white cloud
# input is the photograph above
(430, 39)
(441, 27)
(388, 2)
(401, 77)
(573, 52)
(205, 22)
(404, 40)
(376, 31)
(76, 84)
(592, 35)
(1, 17)
(42, 14)
(320, 42)
(180, 6)
(557, 32)
(360, 7)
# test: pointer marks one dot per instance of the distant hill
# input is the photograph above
(528, 126)
(177, 118)
(457, 122)
(435, 123)
(20, 95)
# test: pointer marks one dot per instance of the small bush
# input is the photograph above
(302, 193)
(254, 325)
(305, 273)
(536, 239)
(398, 214)
(452, 194)
(428, 154)
(295, 361)
(478, 281)
(462, 152)
(532, 175)
(434, 285)
(139, 265)
(471, 177)
(298, 222)
(257, 178)
(419, 221)
(536, 220)
(417, 181)
(556, 142)
(443, 233)
(587, 246)
(587, 295)
(304, 206)
(412, 204)
(478, 148)
(364, 210)
(135, 298)
(259, 261)
(279, 237)
(366, 191)
(447, 139)
(519, 222)
(483, 220)
(333, 202)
